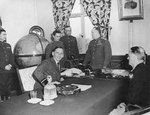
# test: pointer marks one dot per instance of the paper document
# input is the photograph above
(83, 87)
(146, 113)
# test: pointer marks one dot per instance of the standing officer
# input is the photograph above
(70, 44)
(99, 51)
(6, 66)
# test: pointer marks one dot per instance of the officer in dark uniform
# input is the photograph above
(70, 44)
(50, 67)
(6, 66)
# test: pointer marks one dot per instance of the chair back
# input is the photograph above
(26, 79)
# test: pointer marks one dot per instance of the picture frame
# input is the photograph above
(130, 10)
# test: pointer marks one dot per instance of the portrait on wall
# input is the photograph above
(130, 9)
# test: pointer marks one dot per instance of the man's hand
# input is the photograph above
(8, 67)
(67, 73)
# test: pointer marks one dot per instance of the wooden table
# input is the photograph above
(104, 96)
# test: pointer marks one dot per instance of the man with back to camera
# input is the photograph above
(6, 66)
(70, 44)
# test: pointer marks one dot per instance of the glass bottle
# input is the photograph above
(50, 90)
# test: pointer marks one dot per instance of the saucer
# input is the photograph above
(47, 102)
(53, 97)
(34, 100)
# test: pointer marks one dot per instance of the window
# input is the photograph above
(79, 22)
(81, 25)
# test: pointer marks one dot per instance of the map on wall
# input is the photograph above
(26, 78)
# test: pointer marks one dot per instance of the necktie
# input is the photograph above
(58, 65)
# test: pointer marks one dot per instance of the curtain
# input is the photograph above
(99, 13)
(61, 12)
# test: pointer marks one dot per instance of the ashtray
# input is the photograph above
(34, 100)
(68, 89)
(47, 102)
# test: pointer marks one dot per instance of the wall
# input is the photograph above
(120, 34)
(19, 15)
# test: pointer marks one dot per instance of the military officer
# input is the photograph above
(70, 44)
(50, 67)
(6, 66)
(99, 51)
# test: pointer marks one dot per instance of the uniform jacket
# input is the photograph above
(6, 57)
(136, 94)
(47, 67)
(71, 47)
(98, 54)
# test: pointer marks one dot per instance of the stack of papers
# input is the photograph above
(83, 87)
(146, 113)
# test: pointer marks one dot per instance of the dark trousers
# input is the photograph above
(6, 82)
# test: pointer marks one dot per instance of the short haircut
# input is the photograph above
(54, 33)
(2, 30)
(56, 48)
(139, 52)
(67, 27)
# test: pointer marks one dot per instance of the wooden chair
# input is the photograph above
(25, 78)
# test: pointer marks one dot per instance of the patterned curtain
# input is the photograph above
(99, 13)
(61, 12)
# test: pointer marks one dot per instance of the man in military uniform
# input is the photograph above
(56, 35)
(6, 66)
(50, 67)
(70, 44)
(99, 51)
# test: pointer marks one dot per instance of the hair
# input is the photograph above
(98, 29)
(2, 30)
(57, 47)
(54, 33)
(67, 27)
(139, 52)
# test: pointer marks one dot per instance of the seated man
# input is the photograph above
(50, 67)
(136, 94)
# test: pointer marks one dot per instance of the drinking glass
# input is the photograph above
(33, 94)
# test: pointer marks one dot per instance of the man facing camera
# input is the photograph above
(56, 35)
(99, 51)
(6, 66)
(51, 67)
(70, 44)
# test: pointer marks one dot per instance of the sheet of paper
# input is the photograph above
(83, 87)
(148, 113)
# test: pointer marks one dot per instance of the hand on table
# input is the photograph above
(8, 67)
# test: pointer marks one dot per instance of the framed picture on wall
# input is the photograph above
(130, 9)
